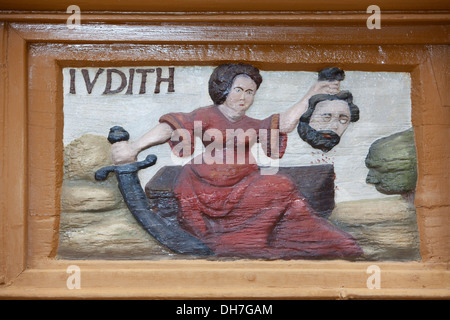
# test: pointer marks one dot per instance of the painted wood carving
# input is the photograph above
(220, 188)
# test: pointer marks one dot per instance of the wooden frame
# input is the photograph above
(33, 50)
(223, 5)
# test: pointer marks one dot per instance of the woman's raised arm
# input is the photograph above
(289, 119)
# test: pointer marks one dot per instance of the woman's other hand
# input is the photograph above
(325, 87)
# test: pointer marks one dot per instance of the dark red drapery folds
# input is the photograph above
(235, 209)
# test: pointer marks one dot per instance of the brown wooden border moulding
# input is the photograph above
(289, 18)
(32, 55)
(245, 29)
(223, 5)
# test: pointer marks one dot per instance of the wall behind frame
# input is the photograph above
(429, 116)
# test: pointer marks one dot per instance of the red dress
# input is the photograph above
(233, 208)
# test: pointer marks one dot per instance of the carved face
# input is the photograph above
(331, 115)
(241, 95)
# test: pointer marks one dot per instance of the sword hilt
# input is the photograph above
(117, 134)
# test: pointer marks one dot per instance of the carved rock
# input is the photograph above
(386, 229)
(392, 163)
(107, 235)
(80, 191)
(86, 197)
(85, 155)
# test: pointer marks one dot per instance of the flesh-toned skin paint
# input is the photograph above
(240, 98)
(331, 115)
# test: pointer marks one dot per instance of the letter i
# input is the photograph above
(72, 81)
(130, 82)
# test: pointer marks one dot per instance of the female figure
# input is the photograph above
(227, 203)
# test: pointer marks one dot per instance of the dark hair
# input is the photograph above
(315, 139)
(331, 74)
(223, 76)
(343, 96)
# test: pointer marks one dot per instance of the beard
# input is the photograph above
(324, 140)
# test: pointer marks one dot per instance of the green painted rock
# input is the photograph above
(392, 163)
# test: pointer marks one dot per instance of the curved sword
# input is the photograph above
(167, 233)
